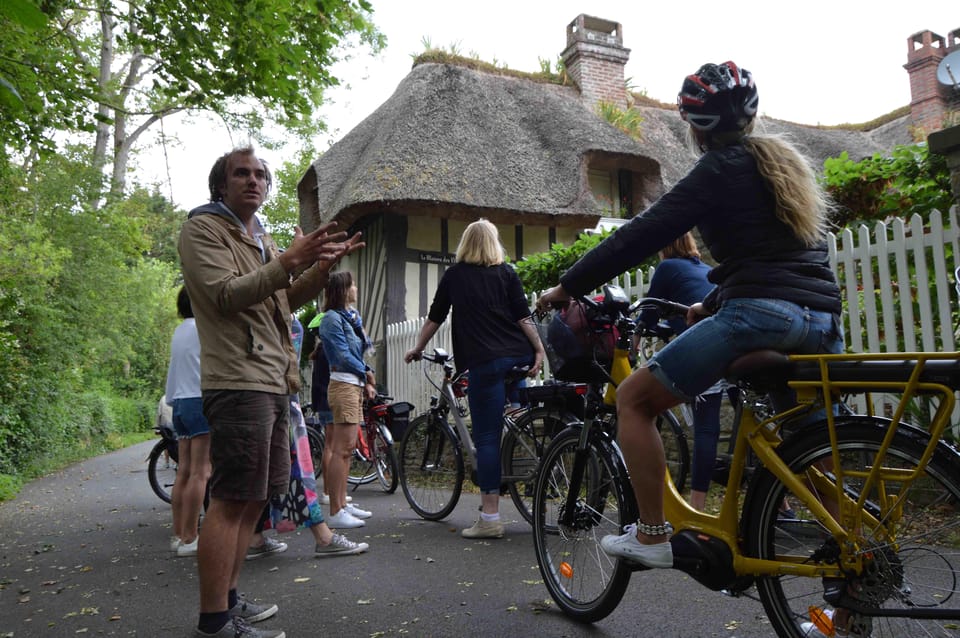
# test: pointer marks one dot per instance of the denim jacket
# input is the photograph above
(341, 345)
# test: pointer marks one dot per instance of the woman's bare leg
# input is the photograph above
(640, 398)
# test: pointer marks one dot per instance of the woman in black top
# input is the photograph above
(492, 332)
(760, 211)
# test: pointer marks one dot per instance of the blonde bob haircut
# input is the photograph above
(480, 245)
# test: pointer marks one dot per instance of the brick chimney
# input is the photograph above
(595, 58)
(930, 101)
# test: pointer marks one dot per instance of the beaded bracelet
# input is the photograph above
(654, 530)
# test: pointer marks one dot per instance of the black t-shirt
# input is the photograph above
(487, 302)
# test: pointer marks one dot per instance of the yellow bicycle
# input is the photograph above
(873, 545)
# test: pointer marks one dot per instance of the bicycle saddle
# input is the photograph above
(761, 368)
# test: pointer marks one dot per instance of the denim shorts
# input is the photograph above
(188, 419)
(700, 356)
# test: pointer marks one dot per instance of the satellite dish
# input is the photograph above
(948, 71)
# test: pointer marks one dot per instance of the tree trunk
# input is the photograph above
(103, 83)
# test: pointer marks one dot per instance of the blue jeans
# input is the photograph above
(486, 396)
(700, 356)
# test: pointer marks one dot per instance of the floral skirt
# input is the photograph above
(300, 506)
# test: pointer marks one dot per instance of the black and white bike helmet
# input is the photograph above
(718, 97)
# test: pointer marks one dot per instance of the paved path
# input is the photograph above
(84, 552)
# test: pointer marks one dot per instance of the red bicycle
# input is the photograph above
(374, 457)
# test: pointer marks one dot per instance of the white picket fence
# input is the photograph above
(896, 279)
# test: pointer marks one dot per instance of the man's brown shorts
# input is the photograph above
(249, 443)
(346, 402)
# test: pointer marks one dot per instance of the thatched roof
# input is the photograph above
(664, 137)
(460, 143)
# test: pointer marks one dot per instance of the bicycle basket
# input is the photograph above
(398, 418)
(579, 343)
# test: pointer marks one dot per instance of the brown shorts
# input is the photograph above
(346, 402)
(249, 444)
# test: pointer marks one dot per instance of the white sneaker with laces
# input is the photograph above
(339, 545)
(344, 520)
(188, 549)
(628, 547)
(357, 512)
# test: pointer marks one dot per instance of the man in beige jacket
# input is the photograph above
(243, 290)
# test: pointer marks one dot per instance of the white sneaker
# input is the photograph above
(344, 520)
(174, 543)
(356, 512)
(325, 499)
(484, 529)
(188, 549)
(627, 546)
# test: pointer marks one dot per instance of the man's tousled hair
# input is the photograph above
(218, 174)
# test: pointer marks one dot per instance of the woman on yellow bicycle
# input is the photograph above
(757, 205)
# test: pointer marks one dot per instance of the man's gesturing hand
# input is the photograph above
(319, 245)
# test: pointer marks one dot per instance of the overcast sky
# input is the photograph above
(815, 62)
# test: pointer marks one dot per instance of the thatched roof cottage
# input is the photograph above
(459, 140)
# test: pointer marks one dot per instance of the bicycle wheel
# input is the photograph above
(431, 467)
(362, 463)
(910, 539)
(162, 471)
(386, 460)
(676, 447)
(527, 435)
(585, 583)
(317, 439)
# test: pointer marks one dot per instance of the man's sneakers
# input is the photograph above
(269, 546)
(251, 611)
(628, 547)
(239, 628)
(339, 546)
(241, 615)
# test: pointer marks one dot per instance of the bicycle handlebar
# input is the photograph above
(663, 307)
(439, 356)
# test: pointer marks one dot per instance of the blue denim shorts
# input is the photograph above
(188, 419)
(700, 356)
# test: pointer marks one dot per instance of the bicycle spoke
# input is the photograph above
(431, 469)
(908, 538)
(581, 578)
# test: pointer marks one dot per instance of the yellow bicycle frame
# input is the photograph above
(619, 370)
(763, 438)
